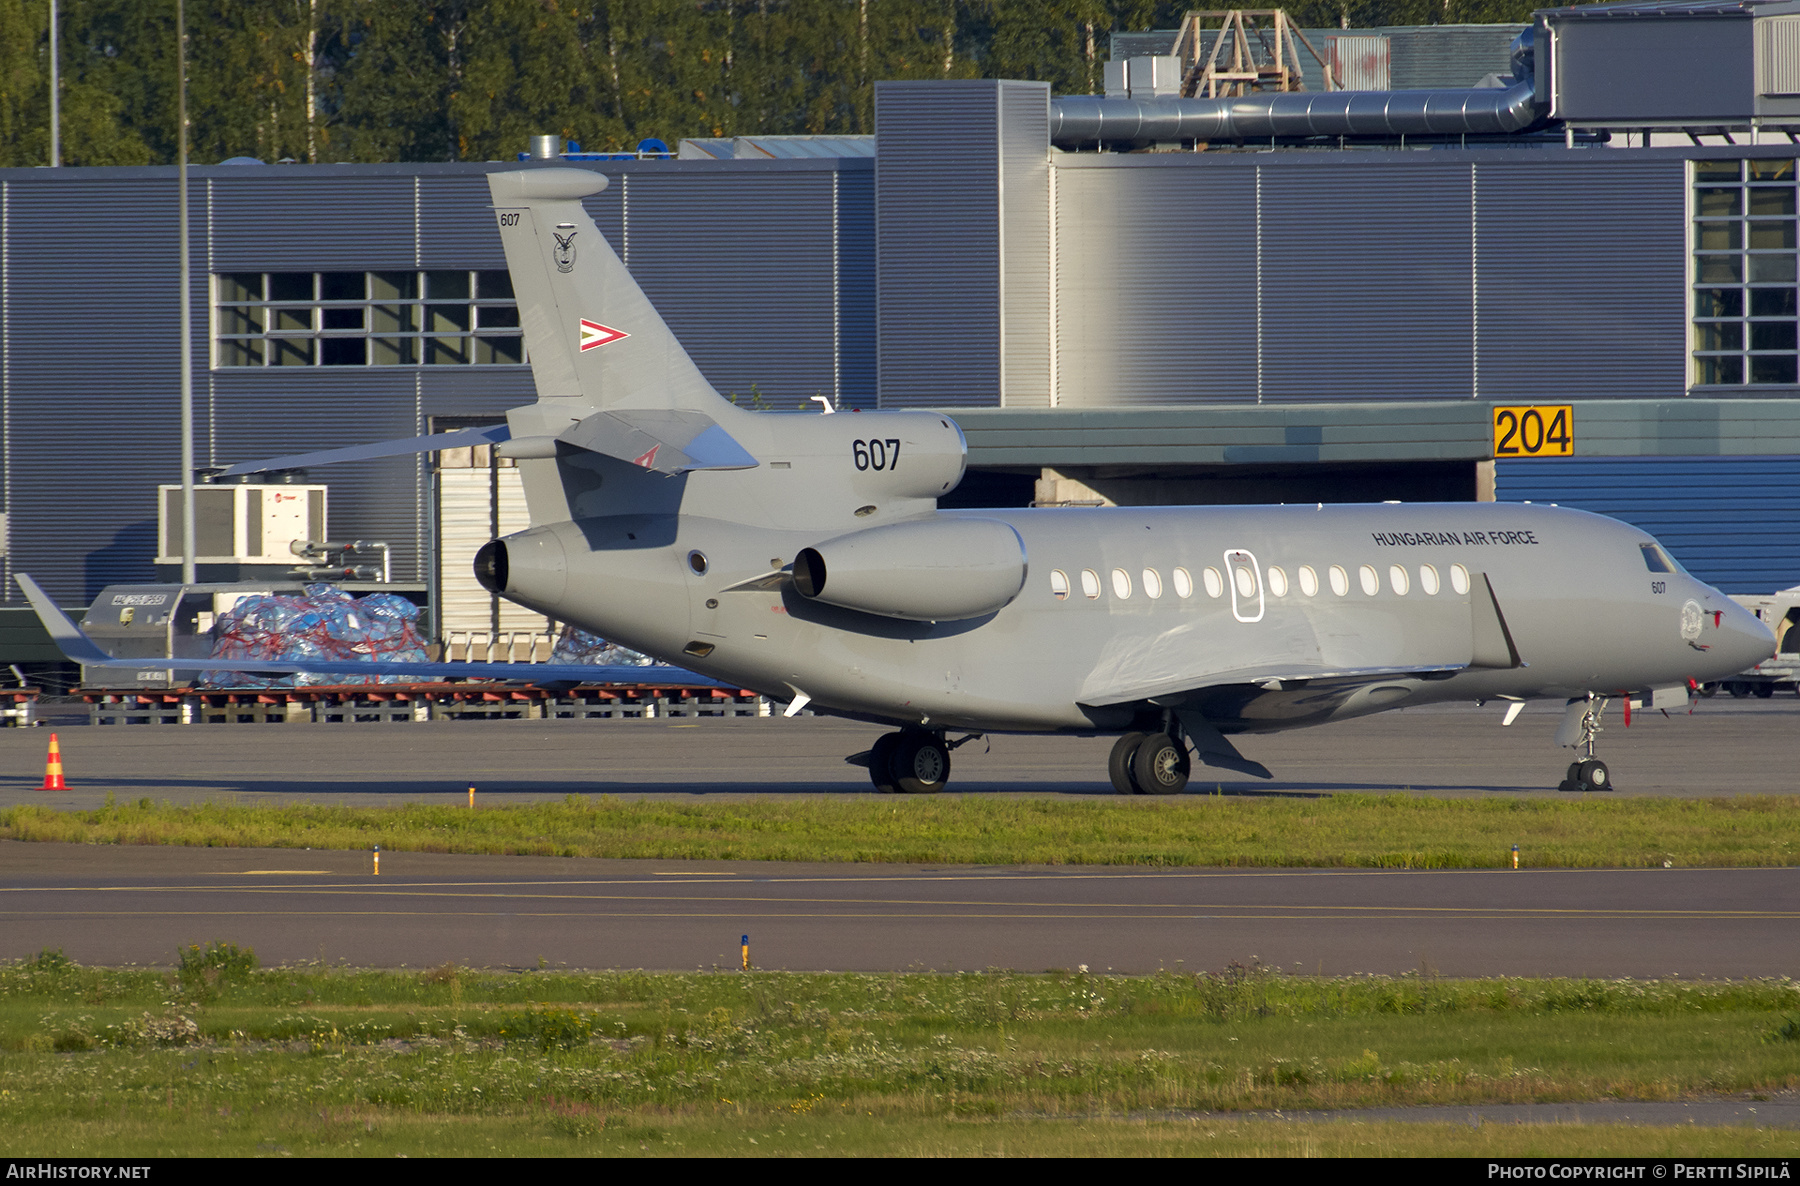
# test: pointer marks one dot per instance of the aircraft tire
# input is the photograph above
(881, 763)
(1160, 765)
(920, 764)
(1594, 776)
(1119, 763)
(1764, 691)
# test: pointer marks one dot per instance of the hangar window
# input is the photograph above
(1744, 279)
(336, 319)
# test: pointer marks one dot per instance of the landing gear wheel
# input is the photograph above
(881, 763)
(920, 764)
(1568, 785)
(1118, 763)
(1764, 691)
(1738, 691)
(1160, 766)
(1592, 775)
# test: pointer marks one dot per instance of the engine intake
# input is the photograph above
(938, 570)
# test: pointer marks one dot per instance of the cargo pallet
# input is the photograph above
(17, 706)
(397, 703)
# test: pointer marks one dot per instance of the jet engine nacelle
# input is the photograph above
(937, 570)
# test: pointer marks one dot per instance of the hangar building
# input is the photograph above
(1139, 297)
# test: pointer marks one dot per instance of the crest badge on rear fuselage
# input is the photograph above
(565, 251)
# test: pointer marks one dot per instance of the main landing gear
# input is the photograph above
(910, 762)
(1589, 773)
(1149, 764)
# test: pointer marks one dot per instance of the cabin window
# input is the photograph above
(1246, 582)
(1371, 580)
(1090, 584)
(1309, 581)
(1278, 584)
(1340, 580)
(1215, 584)
(1459, 579)
(1428, 580)
(1184, 584)
(1121, 584)
(1152, 583)
(1059, 584)
(1398, 579)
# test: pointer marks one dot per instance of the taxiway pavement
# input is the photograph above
(120, 905)
(1725, 747)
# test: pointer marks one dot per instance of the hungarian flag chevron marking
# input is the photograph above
(594, 334)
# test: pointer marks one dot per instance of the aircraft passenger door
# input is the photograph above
(1245, 579)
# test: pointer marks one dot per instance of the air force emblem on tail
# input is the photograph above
(595, 335)
(565, 251)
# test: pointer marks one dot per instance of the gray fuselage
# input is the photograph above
(1118, 614)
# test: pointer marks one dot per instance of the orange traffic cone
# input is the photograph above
(53, 774)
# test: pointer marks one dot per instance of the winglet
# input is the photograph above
(69, 639)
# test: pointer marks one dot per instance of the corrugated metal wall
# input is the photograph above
(1733, 522)
(744, 258)
(1309, 277)
(1024, 244)
(1152, 269)
(937, 179)
(1367, 295)
(1583, 260)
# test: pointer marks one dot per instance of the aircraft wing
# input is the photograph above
(1271, 677)
(79, 648)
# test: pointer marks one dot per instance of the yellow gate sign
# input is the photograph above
(1534, 430)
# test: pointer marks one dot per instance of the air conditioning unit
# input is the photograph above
(241, 524)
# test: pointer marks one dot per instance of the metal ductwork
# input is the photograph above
(1077, 120)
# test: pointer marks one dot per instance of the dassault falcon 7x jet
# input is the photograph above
(806, 557)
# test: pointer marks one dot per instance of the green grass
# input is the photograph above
(1338, 831)
(217, 1059)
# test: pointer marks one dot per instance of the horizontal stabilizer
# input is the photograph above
(667, 441)
(79, 648)
(461, 439)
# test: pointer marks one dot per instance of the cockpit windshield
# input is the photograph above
(1657, 560)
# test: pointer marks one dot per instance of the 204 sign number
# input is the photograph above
(1534, 431)
(876, 454)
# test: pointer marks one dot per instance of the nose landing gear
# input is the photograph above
(1589, 773)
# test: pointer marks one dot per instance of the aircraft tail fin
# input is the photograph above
(595, 339)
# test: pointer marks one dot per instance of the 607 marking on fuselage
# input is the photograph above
(1540, 430)
(875, 453)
